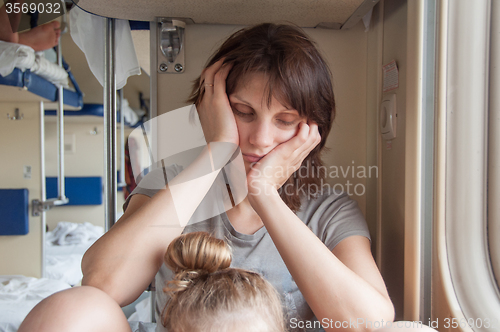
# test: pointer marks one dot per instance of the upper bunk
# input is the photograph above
(15, 85)
(322, 13)
(30, 75)
(82, 93)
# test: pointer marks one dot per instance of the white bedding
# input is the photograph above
(19, 294)
(65, 247)
(65, 265)
(142, 311)
(24, 57)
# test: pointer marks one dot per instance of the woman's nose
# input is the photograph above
(261, 135)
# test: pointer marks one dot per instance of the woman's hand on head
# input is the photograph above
(272, 171)
(215, 113)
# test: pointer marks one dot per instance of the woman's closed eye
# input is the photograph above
(248, 116)
(242, 114)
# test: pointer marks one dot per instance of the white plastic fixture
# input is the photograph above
(388, 117)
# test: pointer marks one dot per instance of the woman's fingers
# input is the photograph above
(304, 141)
(289, 156)
(220, 79)
(208, 74)
(299, 147)
(214, 109)
(313, 140)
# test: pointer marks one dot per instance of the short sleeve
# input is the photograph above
(154, 181)
(333, 218)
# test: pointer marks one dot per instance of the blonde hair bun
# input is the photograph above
(195, 254)
(207, 295)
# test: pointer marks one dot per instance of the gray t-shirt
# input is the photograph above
(332, 216)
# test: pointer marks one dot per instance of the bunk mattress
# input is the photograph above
(21, 67)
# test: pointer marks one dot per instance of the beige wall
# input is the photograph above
(385, 199)
(393, 159)
(373, 138)
(345, 51)
(87, 160)
(21, 147)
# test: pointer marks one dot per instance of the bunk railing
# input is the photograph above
(44, 204)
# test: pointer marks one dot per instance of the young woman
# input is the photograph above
(267, 92)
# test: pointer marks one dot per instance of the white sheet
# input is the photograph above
(19, 294)
(74, 233)
(87, 31)
(64, 262)
(24, 57)
(142, 311)
(65, 247)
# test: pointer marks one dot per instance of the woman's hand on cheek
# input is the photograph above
(215, 113)
(272, 171)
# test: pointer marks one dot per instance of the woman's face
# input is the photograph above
(261, 128)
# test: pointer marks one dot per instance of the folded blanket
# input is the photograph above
(50, 71)
(15, 56)
(24, 57)
(67, 233)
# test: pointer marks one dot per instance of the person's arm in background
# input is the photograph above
(124, 261)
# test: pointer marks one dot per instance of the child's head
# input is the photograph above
(207, 295)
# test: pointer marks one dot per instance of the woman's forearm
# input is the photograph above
(125, 259)
(334, 292)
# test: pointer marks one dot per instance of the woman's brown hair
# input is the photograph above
(298, 77)
(207, 295)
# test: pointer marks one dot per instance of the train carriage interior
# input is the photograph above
(415, 140)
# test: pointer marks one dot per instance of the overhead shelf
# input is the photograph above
(305, 13)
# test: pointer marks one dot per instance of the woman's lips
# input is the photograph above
(251, 158)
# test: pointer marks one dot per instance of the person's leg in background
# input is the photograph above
(9, 23)
(39, 38)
